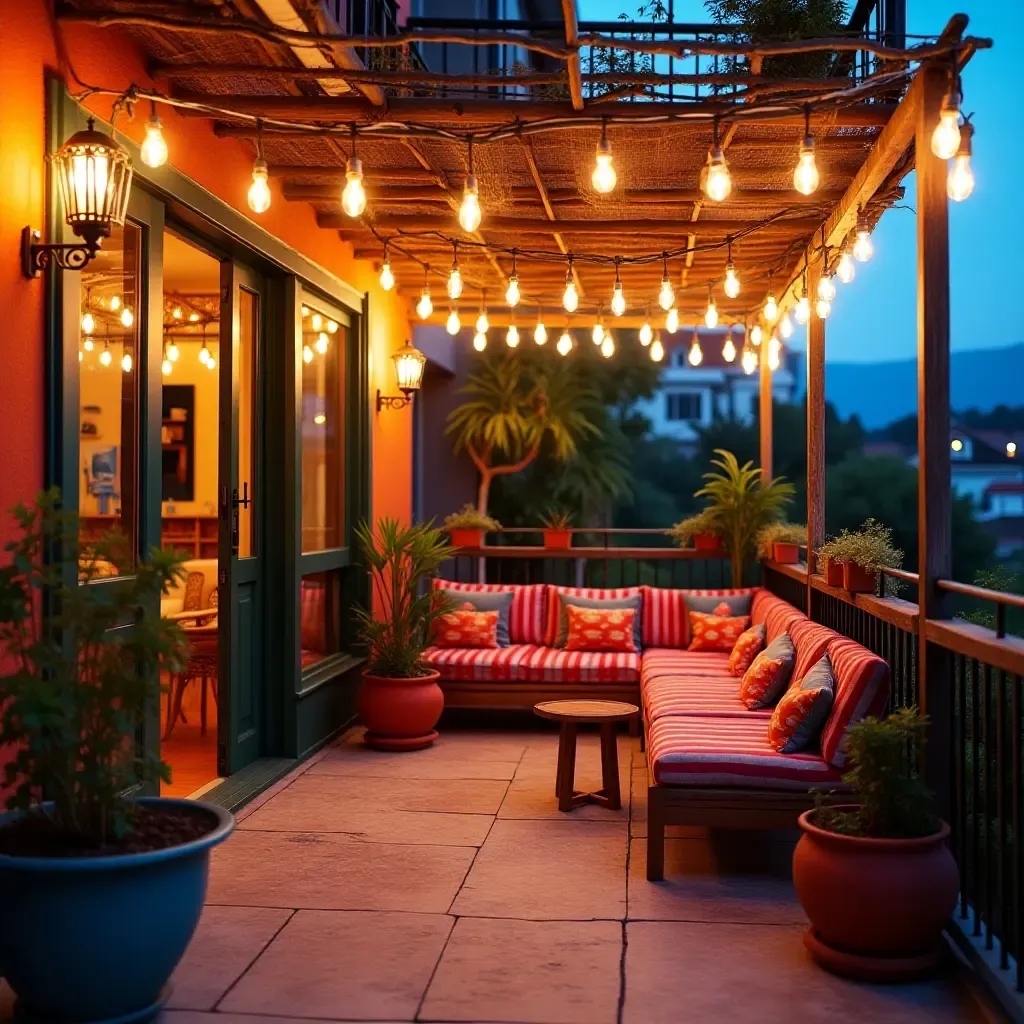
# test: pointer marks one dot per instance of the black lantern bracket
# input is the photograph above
(36, 255)
(392, 401)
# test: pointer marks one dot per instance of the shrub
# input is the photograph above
(871, 548)
(557, 519)
(468, 518)
(685, 530)
(779, 533)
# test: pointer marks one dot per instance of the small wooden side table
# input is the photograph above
(571, 714)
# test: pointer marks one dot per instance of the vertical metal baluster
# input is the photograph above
(973, 879)
(1016, 852)
(986, 769)
(960, 753)
(1002, 843)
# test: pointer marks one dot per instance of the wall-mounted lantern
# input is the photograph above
(409, 362)
(94, 175)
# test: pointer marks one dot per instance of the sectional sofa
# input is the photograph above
(708, 756)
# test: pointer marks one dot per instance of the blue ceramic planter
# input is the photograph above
(95, 939)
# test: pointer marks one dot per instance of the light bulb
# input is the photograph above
(307, 354)
(774, 353)
(166, 366)
(204, 354)
(667, 295)
(618, 299)
(570, 297)
(105, 357)
(482, 323)
(711, 315)
(81, 355)
(479, 341)
(425, 306)
(846, 269)
(321, 343)
(540, 333)
(259, 190)
(728, 349)
(826, 288)
(154, 146)
(127, 317)
(946, 137)
(823, 308)
(960, 182)
(603, 177)
(454, 282)
(317, 322)
(717, 181)
(672, 320)
(211, 363)
(469, 211)
(305, 311)
(732, 282)
(646, 334)
(512, 336)
(597, 334)
(512, 291)
(115, 303)
(771, 309)
(126, 362)
(786, 326)
(173, 352)
(453, 324)
(608, 347)
(803, 310)
(193, 318)
(387, 279)
(564, 345)
(696, 355)
(863, 247)
(806, 177)
(332, 326)
(353, 198)
(87, 344)
(657, 349)
(176, 313)
(88, 323)
(756, 334)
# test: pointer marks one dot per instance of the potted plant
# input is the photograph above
(557, 529)
(781, 542)
(698, 529)
(742, 504)
(876, 879)
(468, 526)
(82, 855)
(400, 701)
(865, 552)
(831, 557)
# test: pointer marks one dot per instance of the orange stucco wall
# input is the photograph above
(107, 59)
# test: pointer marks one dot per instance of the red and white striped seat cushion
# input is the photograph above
(709, 695)
(554, 605)
(779, 617)
(482, 664)
(720, 751)
(862, 688)
(663, 661)
(526, 622)
(811, 640)
(554, 665)
(665, 622)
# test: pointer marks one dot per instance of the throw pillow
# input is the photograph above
(769, 673)
(798, 718)
(746, 649)
(715, 632)
(735, 604)
(485, 602)
(600, 629)
(467, 628)
(607, 603)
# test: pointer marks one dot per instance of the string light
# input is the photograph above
(87, 344)
(711, 315)
(469, 211)
(717, 183)
(454, 275)
(863, 247)
(806, 177)
(672, 320)
(960, 181)
(154, 147)
(618, 299)
(771, 308)
(259, 190)
(597, 334)
(317, 322)
(512, 292)
(176, 313)
(105, 357)
(667, 295)
(732, 282)
(823, 308)
(127, 316)
(540, 332)
(204, 354)
(564, 345)
(353, 198)
(81, 355)
(774, 353)
(115, 303)
(88, 320)
(946, 137)
(786, 326)
(166, 365)
(480, 341)
(646, 334)
(387, 279)
(570, 297)
(512, 336)
(426, 305)
(332, 326)
(305, 309)
(608, 346)
(826, 287)
(194, 318)
(696, 355)
(126, 362)
(748, 360)
(657, 349)
(802, 313)
(756, 334)
(846, 269)
(307, 354)
(728, 349)
(173, 353)
(603, 177)
(482, 323)
(453, 325)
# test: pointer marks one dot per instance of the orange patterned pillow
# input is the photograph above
(746, 649)
(715, 632)
(467, 628)
(798, 718)
(599, 629)
(769, 673)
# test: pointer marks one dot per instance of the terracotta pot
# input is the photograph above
(786, 552)
(877, 907)
(466, 538)
(707, 542)
(833, 572)
(400, 714)
(557, 539)
(859, 580)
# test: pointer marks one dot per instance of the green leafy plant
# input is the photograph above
(871, 548)
(396, 628)
(742, 504)
(835, 547)
(82, 667)
(779, 533)
(893, 801)
(557, 519)
(468, 518)
(685, 530)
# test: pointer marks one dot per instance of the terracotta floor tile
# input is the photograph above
(344, 965)
(227, 940)
(433, 763)
(335, 872)
(534, 797)
(548, 870)
(466, 745)
(537, 972)
(197, 1017)
(748, 972)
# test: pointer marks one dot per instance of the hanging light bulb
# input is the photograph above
(166, 366)
(425, 306)
(756, 334)
(711, 314)
(608, 346)
(774, 353)
(307, 354)
(946, 137)
(603, 177)
(802, 313)
(732, 282)
(154, 146)
(960, 181)
(667, 295)
(115, 303)
(211, 363)
(87, 344)
(317, 322)
(570, 297)
(173, 352)
(126, 362)
(469, 211)
(863, 247)
(305, 309)
(597, 334)
(748, 360)
(806, 177)
(332, 326)
(512, 291)
(826, 287)
(657, 349)
(771, 308)
(127, 317)
(646, 334)
(729, 348)
(716, 183)
(823, 308)
(482, 323)
(204, 354)
(512, 336)
(88, 322)
(176, 313)
(453, 324)
(786, 326)
(387, 278)
(618, 298)
(259, 190)
(564, 345)
(353, 197)
(105, 357)
(454, 282)
(540, 332)
(193, 318)
(479, 341)
(696, 355)
(846, 269)
(672, 320)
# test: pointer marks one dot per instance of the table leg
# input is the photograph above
(565, 776)
(610, 766)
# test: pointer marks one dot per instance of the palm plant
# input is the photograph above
(742, 503)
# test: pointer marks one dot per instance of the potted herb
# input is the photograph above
(831, 557)
(781, 542)
(877, 879)
(400, 701)
(557, 529)
(742, 504)
(699, 530)
(468, 526)
(865, 552)
(81, 854)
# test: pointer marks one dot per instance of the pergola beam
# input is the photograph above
(572, 35)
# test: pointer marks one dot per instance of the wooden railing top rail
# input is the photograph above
(982, 593)
(963, 637)
(614, 531)
(533, 551)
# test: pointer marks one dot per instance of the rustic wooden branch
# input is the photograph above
(573, 59)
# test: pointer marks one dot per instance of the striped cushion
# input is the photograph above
(762, 601)
(862, 688)
(552, 665)
(525, 617)
(779, 617)
(554, 603)
(666, 623)
(312, 623)
(483, 664)
(722, 751)
(664, 661)
(811, 641)
(713, 696)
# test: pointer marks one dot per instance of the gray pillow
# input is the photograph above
(739, 604)
(485, 602)
(821, 679)
(611, 603)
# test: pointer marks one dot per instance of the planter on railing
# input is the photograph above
(833, 569)
(785, 553)
(707, 542)
(557, 539)
(858, 580)
(463, 537)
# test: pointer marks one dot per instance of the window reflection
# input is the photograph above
(319, 616)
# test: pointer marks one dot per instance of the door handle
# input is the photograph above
(237, 501)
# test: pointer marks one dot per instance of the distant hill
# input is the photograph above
(882, 392)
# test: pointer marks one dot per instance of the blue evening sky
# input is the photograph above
(874, 318)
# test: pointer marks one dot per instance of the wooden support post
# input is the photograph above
(572, 37)
(815, 431)
(934, 501)
(765, 412)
